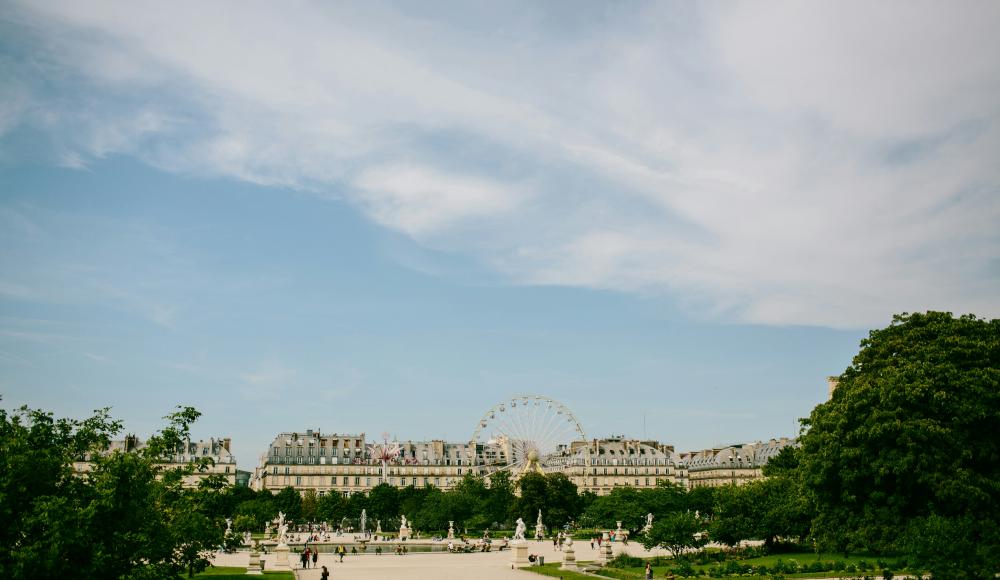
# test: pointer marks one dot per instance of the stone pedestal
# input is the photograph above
(281, 557)
(606, 555)
(451, 530)
(569, 555)
(253, 568)
(404, 533)
(519, 554)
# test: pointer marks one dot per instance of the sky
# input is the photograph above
(675, 218)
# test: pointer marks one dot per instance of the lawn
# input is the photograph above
(554, 571)
(802, 558)
(224, 573)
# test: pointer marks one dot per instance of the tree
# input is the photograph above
(289, 501)
(675, 533)
(499, 499)
(735, 517)
(331, 508)
(908, 441)
(622, 504)
(309, 503)
(383, 502)
(534, 496)
(128, 518)
(261, 509)
(563, 500)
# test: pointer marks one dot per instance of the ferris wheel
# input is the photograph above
(526, 433)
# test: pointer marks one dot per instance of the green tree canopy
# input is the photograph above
(129, 517)
(909, 441)
(675, 532)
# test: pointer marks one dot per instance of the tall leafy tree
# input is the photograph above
(675, 533)
(129, 517)
(563, 500)
(908, 441)
(289, 502)
(499, 499)
(309, 504)
(331, 508)
(534, 496)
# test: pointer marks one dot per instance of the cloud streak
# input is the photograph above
(766, 163)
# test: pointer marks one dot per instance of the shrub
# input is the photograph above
(886, 574)
(684, 568)
(626, 561)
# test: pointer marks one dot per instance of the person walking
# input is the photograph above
(325, 575)
(649, 571)
(304, 558)
(315, 557)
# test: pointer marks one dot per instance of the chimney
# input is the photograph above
(226, 442)
(831, 383)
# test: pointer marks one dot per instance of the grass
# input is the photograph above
(553, 571)
(801, 557)
(228, 573)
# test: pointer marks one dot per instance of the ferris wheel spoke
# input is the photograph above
(523, 425)
(549, 431)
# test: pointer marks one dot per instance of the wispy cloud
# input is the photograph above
(771, 163)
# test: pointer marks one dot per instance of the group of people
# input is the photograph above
(308, 555)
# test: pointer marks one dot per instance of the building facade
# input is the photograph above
(348, 464)
(731, 465)
(218, 449)
(600, 465)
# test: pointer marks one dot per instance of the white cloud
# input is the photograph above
(779, 163)
(419, 200)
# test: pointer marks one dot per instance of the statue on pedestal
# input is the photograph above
(282, 528)
(649, 523)
(539, 527)
(519, 530)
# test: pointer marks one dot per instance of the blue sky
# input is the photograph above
(372, 217)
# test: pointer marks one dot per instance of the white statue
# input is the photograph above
(247, 537)
(649, 522)
(229, 525)
(282, 528)
(403, 520)
(519, 530)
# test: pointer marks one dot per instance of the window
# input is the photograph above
(333, 480)
(345, 480)
(298, 480)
